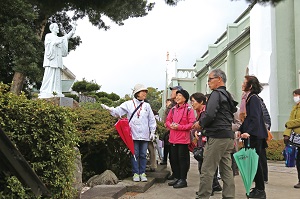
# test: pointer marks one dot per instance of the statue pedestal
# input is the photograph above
(50, 95)
(62, 101)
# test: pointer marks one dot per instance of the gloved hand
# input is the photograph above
(106, 107)
(152, 136)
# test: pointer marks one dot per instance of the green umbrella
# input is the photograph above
(247, 162)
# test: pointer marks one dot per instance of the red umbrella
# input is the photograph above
(123, 129)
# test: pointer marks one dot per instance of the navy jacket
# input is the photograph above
(254, 122)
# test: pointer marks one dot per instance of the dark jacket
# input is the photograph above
(218, 117)
(254, 123)
(173, 103)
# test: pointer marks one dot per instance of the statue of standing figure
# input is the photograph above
(55, 48)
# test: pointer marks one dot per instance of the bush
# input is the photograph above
(75, 97)
(161, 129)
(46, 136)
(274, 150)
(100, 144)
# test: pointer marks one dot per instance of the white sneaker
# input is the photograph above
(136, 177)
(143, 177)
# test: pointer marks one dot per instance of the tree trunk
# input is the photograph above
(17, 83)
(42, 25)
(19, 78)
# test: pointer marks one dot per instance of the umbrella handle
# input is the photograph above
(248, 143)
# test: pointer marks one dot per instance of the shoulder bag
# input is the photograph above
(294, 139)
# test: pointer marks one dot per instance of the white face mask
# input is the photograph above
(297, 99)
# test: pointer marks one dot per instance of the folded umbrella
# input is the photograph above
(247, 162)
(123, 128)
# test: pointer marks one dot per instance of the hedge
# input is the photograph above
(45, 134)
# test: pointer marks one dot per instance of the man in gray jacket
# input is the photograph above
(216, 123)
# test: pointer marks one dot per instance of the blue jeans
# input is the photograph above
(140, 151)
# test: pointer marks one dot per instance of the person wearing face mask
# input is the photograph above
(294, 124)
(142, 126)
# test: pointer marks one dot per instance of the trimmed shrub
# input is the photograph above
(46, 136)
(75, 97)
(100, 144)
(274, 150)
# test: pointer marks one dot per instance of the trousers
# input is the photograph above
(217, 152)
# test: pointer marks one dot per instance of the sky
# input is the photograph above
(135, 53)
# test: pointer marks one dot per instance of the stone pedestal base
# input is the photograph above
(62, 101)
(50, 95)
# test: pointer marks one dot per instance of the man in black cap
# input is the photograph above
(166, 135)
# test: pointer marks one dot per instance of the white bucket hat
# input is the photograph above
(138, 88)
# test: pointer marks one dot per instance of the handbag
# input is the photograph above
(270, 136)
(294, 139)
(290, 155)
(198, 153)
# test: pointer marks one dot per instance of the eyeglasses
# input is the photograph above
(211, 78)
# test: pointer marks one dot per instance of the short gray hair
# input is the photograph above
(219, 73)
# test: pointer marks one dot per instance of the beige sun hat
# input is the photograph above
(138, 88)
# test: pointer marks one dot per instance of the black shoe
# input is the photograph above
(256, 193)
(180, 184)
(236, 173)
(163, 163)
(173, 182)
(297, 186)
(217, 188)
(171, 177)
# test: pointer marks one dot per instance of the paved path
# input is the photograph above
(280, 186)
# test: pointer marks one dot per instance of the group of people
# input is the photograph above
(214, 124)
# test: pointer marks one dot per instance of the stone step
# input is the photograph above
(104, 192)
(127, 185)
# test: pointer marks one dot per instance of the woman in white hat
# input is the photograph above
(142, 125)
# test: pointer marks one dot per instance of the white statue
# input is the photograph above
(55, 48)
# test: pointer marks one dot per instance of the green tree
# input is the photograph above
(113, 97)
(273, 2)
(85, 86)
(24, 24)
(102, 94)
(154, 97)
(20, 48)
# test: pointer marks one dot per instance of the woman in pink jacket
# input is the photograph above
(180, 121)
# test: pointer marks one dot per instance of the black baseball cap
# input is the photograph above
(176, 88)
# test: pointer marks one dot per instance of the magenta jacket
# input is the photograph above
(185, 117)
